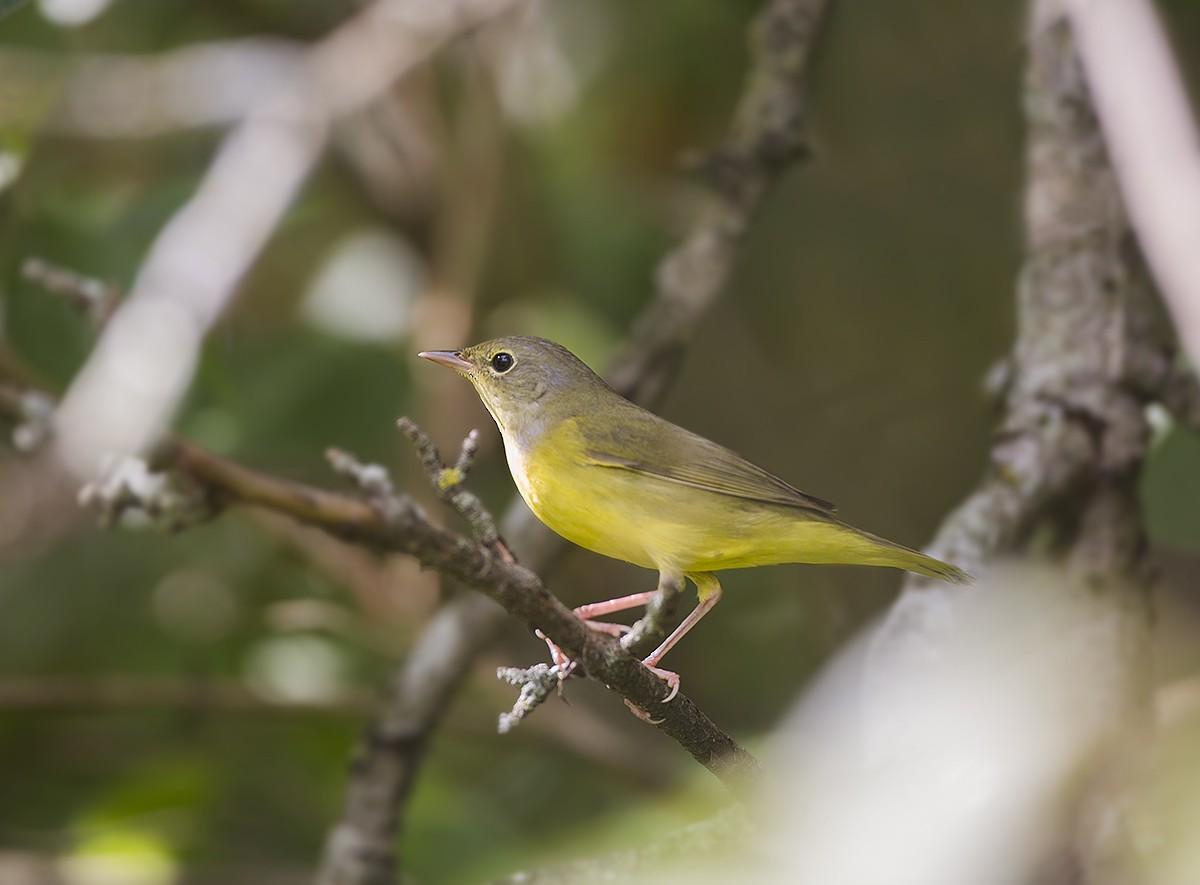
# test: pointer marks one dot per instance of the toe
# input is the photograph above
(641, 714)
(670, 677)
(608, 627)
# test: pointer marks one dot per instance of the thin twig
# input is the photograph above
(537, 683)
(450, 484)
(93, 297)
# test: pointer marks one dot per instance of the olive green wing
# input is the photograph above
(641, 442)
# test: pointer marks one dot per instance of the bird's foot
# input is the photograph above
(560, 660)
(671, 678)
(564, 664)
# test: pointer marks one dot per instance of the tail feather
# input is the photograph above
(888, 553)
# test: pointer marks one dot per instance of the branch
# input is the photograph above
(767, 137)
(450, 485)
(1143, 107)
(155, 335)
(92, 297)
(388, 522)
(114, 95)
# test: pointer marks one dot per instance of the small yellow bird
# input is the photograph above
(617, 479)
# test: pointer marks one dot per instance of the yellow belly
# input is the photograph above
(684, 530)
(667, 526)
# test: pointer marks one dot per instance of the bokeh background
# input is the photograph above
(541, 182)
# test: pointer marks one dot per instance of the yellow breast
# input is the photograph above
(660, 524)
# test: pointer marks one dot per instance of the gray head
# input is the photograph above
(525, 381)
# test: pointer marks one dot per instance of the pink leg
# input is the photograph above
(587, 612)
(620, 604)
(709, 594)
(709, 591)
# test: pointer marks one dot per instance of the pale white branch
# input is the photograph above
(143, 363)
(1151, 137)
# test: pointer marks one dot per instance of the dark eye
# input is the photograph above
(502, 362)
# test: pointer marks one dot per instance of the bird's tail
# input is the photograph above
(829, 540)
(880, 551)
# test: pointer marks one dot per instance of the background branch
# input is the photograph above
(155, 335)
(1063, 470)
(1143, 108)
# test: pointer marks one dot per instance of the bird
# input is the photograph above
(617, 479)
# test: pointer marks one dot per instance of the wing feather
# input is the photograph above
(641, 442)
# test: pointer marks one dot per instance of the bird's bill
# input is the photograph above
(451, 358)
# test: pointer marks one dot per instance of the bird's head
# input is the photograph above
(524, 381)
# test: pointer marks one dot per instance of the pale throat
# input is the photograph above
(521, 426)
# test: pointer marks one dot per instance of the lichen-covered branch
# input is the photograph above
(389, 522)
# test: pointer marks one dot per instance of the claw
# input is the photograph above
(641, 714)
(564, 664)
(668, 676)
(671, 678)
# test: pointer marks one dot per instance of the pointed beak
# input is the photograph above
(451, 358)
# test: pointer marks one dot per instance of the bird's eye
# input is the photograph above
(502, 362)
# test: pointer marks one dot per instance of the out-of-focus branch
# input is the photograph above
(143, 362)
(768, 136)
(1151, 136)
(92, 297)
(1062, 477)
(125, 96)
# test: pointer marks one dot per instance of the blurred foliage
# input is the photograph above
(874, 292)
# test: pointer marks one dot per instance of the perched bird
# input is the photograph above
(617, 479)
